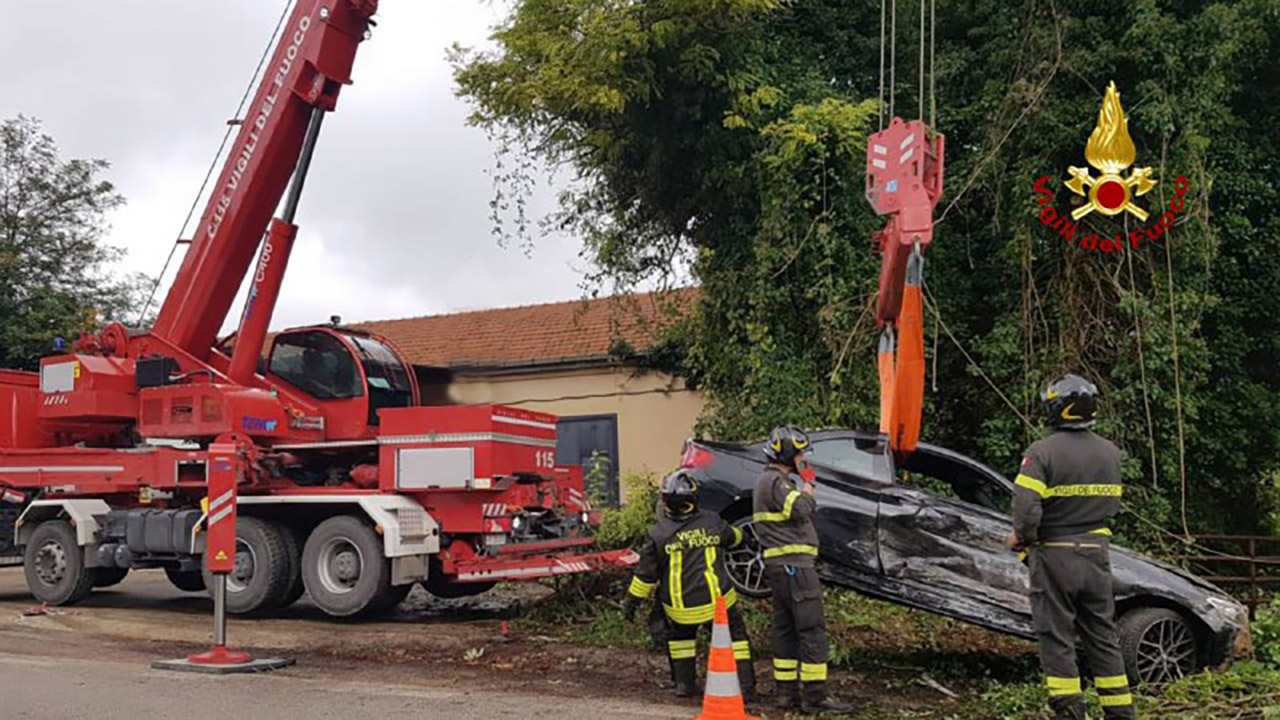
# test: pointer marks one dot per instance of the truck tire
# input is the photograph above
(186, 580)
(343, 567)
(390, 598)
(1159, 645)
(444, 587)
(54, 565)
(261, 576)
(293, 547)
(108, 576)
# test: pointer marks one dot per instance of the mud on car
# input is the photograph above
(930, 534)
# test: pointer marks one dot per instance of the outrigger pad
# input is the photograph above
(256, 665)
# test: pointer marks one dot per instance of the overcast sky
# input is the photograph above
(394, 219)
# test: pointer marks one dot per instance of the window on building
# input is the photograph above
(592, 442)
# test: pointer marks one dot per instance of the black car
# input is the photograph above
(930, 534)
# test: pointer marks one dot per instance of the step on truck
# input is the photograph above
(347, 487)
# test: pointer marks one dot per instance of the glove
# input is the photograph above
(629, 606)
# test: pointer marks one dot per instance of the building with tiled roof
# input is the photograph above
(564, 358)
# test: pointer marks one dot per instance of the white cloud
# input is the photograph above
(395, 218)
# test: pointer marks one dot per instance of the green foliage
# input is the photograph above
(54, 279)
(625, 526)
(727, 135)
(1266, 634)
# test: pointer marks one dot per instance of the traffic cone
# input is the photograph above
(722, 699)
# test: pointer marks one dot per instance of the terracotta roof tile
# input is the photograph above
(534, 334)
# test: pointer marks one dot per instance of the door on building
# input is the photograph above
(592, 442)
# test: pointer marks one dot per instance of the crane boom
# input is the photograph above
(308, 68)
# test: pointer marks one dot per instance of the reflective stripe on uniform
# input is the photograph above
(790, 550)
(786, 670)
(783, 516)
(675, 579)
(1113, 682)
(1101, 531)
(713, 582)
(1083, 490)
(700, 613)
(813, 672)
(682, 649)
(1062, 686)
(1116, 700)
(742, 650)
(1030, 483)
(642, 589)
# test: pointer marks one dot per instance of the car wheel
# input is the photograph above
(108, 576)
(1158, 644)
(745, 563)
(54, 565)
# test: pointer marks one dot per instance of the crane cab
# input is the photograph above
(348, 374)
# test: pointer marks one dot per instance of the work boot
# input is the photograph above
(815, 701)
(787, 696)
(1068, 707)
(685, 674)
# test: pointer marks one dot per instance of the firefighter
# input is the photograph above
(1068, 488)
(682, 560)
(784, 507)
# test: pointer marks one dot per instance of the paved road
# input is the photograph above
(40, 688)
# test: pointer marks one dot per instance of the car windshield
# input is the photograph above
(866, 458)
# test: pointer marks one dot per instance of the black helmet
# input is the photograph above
(784, 444)
(680, 495)
(1070, 402)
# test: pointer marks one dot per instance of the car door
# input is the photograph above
(852, 471)
(949, 549)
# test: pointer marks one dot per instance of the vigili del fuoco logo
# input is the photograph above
(1110, 151)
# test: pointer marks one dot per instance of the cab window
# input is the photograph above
(316, 363)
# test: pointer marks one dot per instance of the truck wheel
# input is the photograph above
(54, 565)
(388, 600)
(293, 549)
(260, 578)
(108, 576)
(185, 580)
(1158, 645)
(343, 567)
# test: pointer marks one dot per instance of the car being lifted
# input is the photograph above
(930, 534)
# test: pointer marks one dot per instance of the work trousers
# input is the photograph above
(799, 631)
(682, 652)
(1072, 599)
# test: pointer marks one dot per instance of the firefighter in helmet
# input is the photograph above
(784, 507)
(682, 562)
(1068, 488)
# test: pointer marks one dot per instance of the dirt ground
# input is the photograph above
(425, 643)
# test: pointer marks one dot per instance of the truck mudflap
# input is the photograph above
(530, 567)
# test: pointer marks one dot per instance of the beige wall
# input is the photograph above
(656, 412)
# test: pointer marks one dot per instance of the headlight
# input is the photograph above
(1234, 612)
(517, 523)
(586, 518)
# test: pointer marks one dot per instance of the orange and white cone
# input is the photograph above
(722, 700)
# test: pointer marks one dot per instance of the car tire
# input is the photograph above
(108, 576)
(343, 567)
(745, 563)
(185, 580)
(261, 575)
(293, 551)
(1159, 645)
(54, 565)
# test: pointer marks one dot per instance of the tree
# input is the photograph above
(55, 278)
(730, 132)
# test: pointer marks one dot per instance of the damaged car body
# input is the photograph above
(930, 534)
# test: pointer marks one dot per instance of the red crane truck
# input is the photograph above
(348, 488)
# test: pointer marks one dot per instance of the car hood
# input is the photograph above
(1141, 576)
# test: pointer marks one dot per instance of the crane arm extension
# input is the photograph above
(904, 182)
(310, 65)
